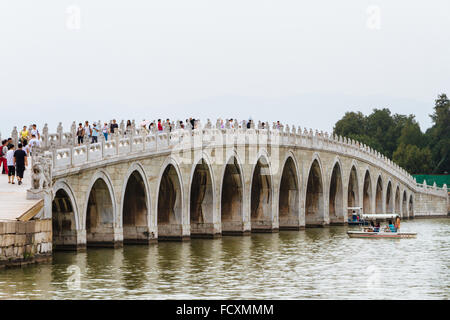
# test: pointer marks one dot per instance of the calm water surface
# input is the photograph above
(318, 263)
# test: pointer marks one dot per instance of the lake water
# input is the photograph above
(317, 263)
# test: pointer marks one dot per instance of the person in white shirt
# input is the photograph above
(10, 164)
(87, 130)
(34, 142)
(35, 131)
(27, 149)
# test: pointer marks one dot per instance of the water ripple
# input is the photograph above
(318, 263)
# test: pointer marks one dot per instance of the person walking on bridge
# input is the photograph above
(80, 134)
(20, 161)
(10, 163)
(9, 142)
(35, 131)
(24, 135)
(3, 151)
(95, 131)
(33, 144)
(113, 126)
(105, 131)
(87, 130)
(160, 127)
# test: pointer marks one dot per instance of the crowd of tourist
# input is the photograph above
(87, 132)
(14, 159)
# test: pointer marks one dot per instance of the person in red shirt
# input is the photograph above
(160, 127)
(3, 150)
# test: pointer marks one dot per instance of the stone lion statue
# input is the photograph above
(39, 180)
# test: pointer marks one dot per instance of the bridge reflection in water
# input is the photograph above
(321, 263)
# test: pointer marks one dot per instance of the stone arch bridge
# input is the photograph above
(141, 186)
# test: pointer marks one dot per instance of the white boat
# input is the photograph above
(380, 232)
(377, 235)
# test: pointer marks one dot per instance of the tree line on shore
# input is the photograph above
(400, 138)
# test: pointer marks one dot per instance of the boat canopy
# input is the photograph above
(381, 216)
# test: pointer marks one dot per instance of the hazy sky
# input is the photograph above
(301, 62)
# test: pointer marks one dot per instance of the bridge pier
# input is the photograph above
(68, 240)
(205, 230)
(204, 222)
(173, 232)
(289, 197)
(138, 235)
(265, 229)
(261, 198)
(315, 200)
(235, 228)
(233, 206)
(105, 237)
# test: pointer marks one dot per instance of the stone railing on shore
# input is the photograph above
(65, 153)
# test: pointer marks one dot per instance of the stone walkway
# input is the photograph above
(13, 198)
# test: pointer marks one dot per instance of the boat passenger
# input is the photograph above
(397, 224)
(392, 227)
(377, 227)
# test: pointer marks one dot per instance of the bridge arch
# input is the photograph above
(405, 205)
(367, 193)
(353, 188)
(289, 194)
(65, 219)
(397, 200)
(170, 202)
(261, 194)
(232, 196)
(314, 197)
(389, 197)
(202, 195)
(136, 205)
(411, 207)
(336, 194)
(379, 195)
(101, 212)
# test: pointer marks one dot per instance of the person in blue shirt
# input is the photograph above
(95, 131)
(354, 216)
(391, 227)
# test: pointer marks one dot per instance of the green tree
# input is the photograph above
(399, 136)
(439, 135)
(353, 123)
(413, 159)
(380, 126)
(410, 133)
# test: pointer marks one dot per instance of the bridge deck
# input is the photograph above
(13, 198)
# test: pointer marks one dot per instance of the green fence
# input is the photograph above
(440, 179)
